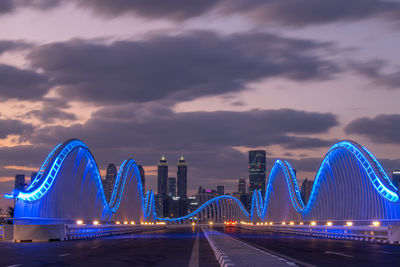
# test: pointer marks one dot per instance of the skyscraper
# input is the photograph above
(111, 175)
(396, 178)
(142, 178)
(162, 177)
(182, 178)
(19, 181)
(220, 190)
(257, 174)
(242, 186)
(171, 186)
(305, 190)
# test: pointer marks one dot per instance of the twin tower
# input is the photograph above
(163, 187)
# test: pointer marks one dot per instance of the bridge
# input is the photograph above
(352, 198)
(350, 184)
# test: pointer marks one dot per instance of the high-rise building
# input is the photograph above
(220, 190)
(396, 178)
(171, 186)
(175, 207)
(111, 175)
(182, 178)
(257, 173)
(142, 178)
(20, 182)
(242, 186)
(205, 196)
(33, 176)
(162, 178)
(306, 188)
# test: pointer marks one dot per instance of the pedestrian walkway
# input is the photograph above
(232, 252)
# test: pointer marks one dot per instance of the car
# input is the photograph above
(230, 224)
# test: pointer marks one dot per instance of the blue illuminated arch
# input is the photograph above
(377, 178)
(50, 168)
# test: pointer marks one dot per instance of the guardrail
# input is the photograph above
(380, 234)
(73, 231)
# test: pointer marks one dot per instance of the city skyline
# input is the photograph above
(125, 79)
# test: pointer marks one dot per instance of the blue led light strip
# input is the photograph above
(367, 165)
(209, 202)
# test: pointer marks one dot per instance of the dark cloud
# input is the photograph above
(11, 127)
(21, 84)
(8, 6)
(52, 111)
(307, 12)
(382, 129)
(164, 129)
(374, 71)
(180, 67)
(8, 45)
(289, 12)
(174, 9)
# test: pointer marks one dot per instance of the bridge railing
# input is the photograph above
(73, 231)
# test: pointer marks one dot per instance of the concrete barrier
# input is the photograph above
(60, 232)
(382, 234)
(39, 233)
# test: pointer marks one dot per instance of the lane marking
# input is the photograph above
(63, 255)
(194, 257)
(338, 253)
(14, 265)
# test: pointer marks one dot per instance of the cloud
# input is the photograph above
(9, 45)
(297, 13)
(164, 129)
(382, 129)
(9, 6)
(14, 127)
(374, 71)
(21, 84)
(308, 12)
(182, 67)
(52, 111)
(6, 6)
(174, 9)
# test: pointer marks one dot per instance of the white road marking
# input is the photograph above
(63, 255)
(194, 257)
(14, 265)
(338, 253)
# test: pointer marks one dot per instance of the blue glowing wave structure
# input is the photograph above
(221, 208)
(350, 184)
(68, 186)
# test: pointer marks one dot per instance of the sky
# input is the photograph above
(208, 79)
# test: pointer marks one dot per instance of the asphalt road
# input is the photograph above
(168, 247)
(321, 252)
